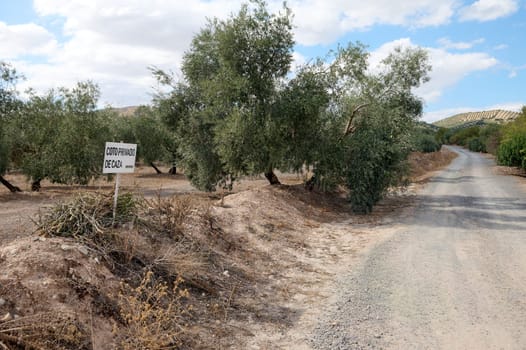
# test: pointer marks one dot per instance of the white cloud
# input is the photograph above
(298, 60)
(448, 44)
(433, 116)
(383, 51)
(450, 68)
(488, 10)
(508, 106)
(447, 68)
(514, 71)
(113, 42)
(500, 47)
(322, 21)
(25, 39)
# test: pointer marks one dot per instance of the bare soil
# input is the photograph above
(451, 277)
(276, 252)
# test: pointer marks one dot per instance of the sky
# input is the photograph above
(477, 48)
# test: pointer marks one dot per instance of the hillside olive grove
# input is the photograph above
(241, 108)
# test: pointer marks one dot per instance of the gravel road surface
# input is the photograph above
(453, 278)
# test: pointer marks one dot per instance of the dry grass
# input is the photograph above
(168, 214)
(153, 315)
(44, 331)
(155, 243)
(423, 164)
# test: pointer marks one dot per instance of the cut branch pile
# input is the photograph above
(86, 215)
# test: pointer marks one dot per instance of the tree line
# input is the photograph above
(240, 109)
(506, 141)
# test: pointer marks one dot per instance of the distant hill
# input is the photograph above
(125, 111)
(475, 118)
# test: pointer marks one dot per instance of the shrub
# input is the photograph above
(490, 136)
(427, 143)
(512, 151)
(475, 144)
(460, 137)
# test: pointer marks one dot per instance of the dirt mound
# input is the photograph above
(44, 281)
(235, 258)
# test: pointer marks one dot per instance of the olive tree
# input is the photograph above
(60, 136)
(155, 142)
(241, 110)
(376, 113)
(9, 104)
(224, 107)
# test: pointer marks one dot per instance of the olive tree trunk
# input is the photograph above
(9, 186)
(156, 168)
(272, 178)
(35, 185)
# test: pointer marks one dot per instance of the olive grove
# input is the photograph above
(242, 110)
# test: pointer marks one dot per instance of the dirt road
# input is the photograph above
(454, 276)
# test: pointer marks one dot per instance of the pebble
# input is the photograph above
(66, 247)
(83, 250)
(2, 302)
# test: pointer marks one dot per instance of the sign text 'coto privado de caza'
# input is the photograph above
(119, 158)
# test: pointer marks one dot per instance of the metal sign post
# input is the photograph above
(119, 158)
(116, 196)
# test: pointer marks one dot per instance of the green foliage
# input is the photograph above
(153, 139)
(34, 134)
(460, 137)
(382, 138)
(197, 149)
(223, 113)
(236, 113)
(299, 118)
(79, 148)
(441, 136)
(369, 123)
(512, 150)
(475, 144)
(9, 104)
(155, 142)
(61, 135)
(480, 138)
(490, 136)
(427, 143)
(426, 139)
(374, 162)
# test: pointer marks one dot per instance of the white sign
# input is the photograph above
(119, 158)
